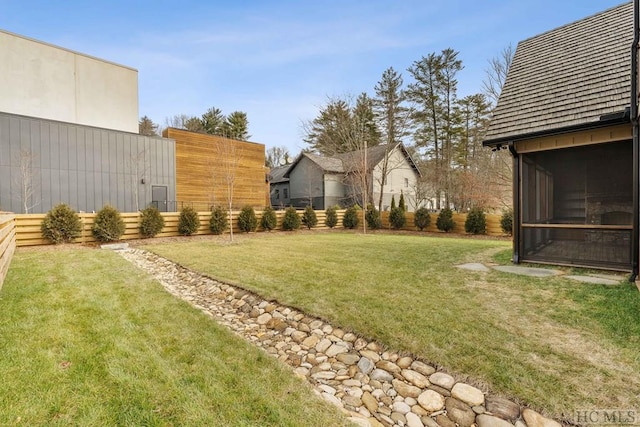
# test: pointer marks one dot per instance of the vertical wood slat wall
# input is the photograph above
(27, 226)
(7, 243)
(200, 175)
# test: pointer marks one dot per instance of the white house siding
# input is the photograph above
(45, 81)
(401, 178)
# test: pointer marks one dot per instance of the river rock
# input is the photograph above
(442, 380)
(431, 401)
(413, 420)
(381, 375)
(534, 419)
(502, 408)
(459, 412)
(485, 420)
(404, 389)
(365, 365)
(423, 368)
(468, 394)
(415, 378)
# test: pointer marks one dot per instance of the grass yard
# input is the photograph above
(87, 339)
(554, 344)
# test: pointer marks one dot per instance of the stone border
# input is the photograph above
(372, 386)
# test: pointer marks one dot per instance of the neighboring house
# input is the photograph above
(317, 181)
(567, 113)
(328, 181)
(279, 187)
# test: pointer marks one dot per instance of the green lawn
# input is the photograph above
(87, 339)
(552, 343)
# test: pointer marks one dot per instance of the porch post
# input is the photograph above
(516, 203)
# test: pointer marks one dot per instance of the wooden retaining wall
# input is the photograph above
(7, 243)
(28, 225)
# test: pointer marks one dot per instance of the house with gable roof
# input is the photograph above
(568, 115)
(323, 181)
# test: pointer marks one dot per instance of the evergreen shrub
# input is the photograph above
(421, 218)
(476, 222)
(331, 219)
(372, 216)
(108, 225)
(309, 217)
(247, 220)
(269, 220)
(444, 222)
(61, 224)
(188, 222)
(506, 221)
(291, 220)
(218, 222)
(151, 222)
(351, 219)
(397, 217)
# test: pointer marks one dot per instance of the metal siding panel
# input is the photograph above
(98, 196)
(72, 147)
(4, 141)
(65, 187)
(83, 182)
(72, 189)
(56, 191)
(63, 147)
(46, 201)
(91, 200)
(102, 149)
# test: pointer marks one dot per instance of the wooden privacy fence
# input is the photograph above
(7, 243)
(29, 234)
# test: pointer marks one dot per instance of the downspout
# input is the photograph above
(635, 238)
(516, 202)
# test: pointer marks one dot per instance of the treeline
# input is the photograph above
(213, 122)
(443, 132)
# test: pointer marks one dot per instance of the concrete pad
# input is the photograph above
(617, 277)
(473, 266)
(115, 246)
(527, 271)
(594, 280)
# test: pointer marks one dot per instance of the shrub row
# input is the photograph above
(62, 224)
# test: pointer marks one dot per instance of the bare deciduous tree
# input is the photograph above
(139, 168)
(277, 156)
(229, 157)
(497, 72)
(26, 180)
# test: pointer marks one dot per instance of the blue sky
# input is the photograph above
(280, 60)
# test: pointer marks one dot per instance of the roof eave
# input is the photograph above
(605, 120)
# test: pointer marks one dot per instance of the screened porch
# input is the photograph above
(577, 206)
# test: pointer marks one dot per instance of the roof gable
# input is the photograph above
(567, 77)
(342, 163)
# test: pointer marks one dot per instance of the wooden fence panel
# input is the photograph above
(28, 225)
(7, 243)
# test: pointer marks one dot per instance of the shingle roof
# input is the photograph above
(327, 164)
(277, 174)
(568, 76)
(341, 163)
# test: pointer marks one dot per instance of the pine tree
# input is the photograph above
(147, 127)
(401, 203)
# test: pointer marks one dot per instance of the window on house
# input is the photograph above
(285, 193)
(406, 183)
(277, 193)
